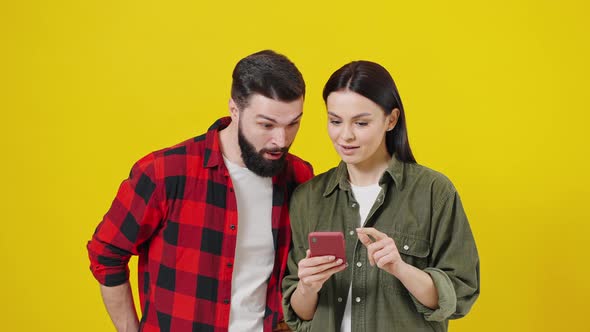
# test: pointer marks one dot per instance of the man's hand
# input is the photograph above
(282, 327)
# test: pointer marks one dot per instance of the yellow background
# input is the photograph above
(496, 95)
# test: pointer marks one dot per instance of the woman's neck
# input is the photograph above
(370, 171)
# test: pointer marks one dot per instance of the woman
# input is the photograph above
(412, 260)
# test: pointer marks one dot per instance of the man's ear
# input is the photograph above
(393, 117)
(234, 111)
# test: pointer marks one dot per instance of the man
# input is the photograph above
(209, 216)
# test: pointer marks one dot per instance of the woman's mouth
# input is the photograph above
(348, 149)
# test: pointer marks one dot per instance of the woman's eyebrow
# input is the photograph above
(354, 117)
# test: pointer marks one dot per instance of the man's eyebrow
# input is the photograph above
(297, 117)
(266, 118)
(275, 121)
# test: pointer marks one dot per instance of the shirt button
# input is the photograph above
(226, 301)
(353, 205)
(406, 247)
(229, 265)
(359, 264)
(358, 299)
(351, 232)
(232, 226)
(339, 299)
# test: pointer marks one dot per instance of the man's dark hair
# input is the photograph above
(267, 73)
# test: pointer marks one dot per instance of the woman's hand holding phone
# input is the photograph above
(314, 271)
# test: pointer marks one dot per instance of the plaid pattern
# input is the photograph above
(178, 212)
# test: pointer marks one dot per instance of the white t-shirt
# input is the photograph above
(255, 254)
(365, 197)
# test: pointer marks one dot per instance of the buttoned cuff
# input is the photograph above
(447, 300)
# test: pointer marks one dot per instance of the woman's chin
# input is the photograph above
(349, 160)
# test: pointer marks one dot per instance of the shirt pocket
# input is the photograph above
(414, 251)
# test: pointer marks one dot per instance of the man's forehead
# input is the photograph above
(264, 108)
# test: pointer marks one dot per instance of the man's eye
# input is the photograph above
(266, 125)
(362, 124)
(335, 122)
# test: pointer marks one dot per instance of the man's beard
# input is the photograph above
(255, 161)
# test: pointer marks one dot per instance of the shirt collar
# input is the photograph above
(213, 156)
(339, 178)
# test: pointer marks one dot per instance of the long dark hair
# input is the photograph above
(374, 82)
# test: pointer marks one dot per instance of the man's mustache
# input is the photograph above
(275, 150)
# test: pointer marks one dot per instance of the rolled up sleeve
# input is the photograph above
(447, 300)
(299, 230)
(131, 220)
(291, 318)
(454, 266)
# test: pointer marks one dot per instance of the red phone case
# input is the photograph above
(327, 244)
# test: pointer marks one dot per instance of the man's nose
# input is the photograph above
(279, 137)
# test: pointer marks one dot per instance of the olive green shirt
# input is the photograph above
(421, 211)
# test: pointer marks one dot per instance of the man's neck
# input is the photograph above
(228, 143)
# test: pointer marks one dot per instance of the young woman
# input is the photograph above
(412, 263)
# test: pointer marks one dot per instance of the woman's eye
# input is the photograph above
(334, 122)
(362, 124)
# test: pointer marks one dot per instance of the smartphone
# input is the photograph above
(327, 244)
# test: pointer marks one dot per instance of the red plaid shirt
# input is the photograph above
(178, 212)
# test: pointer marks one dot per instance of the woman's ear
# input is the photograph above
(392, 119)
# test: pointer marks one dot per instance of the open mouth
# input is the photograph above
(348, 149)
(273, 155)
